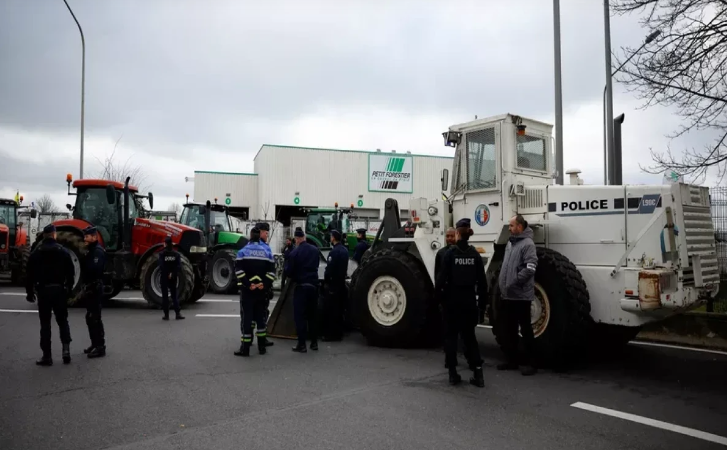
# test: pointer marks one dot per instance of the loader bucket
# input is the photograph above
(281, 323)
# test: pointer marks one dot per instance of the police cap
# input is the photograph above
(262, 226)
(336, 234)
(463, 223)
(361, 231)
(299, 232)
(89, 230)
(50, 228)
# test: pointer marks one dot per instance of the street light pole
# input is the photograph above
(558, 95)
(649, 39)
(609, 89)
(83, 80)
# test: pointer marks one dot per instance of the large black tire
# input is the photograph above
(222, 272)
(410, 292)
(18, 274)
(200, 287)
(563, 338)
(77, 248)
(150, 282)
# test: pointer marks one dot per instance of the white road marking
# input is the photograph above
(678, 347)
(13, 293)
(653, 423)
(484, 326)
(217, 315)
(19, 310)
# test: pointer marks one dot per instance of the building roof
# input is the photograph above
(227, 173)
(349, 151)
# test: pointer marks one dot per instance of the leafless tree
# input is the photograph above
(45, 204)
(175, 207)
(684, 68)
(112, 169)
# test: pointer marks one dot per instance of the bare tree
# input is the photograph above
(685, 68)
(112, 169)
(175, 207)
(45, 204)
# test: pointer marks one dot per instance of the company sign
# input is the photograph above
(391, 173)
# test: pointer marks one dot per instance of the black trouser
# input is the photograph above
(516, 313)
(460, 319)
(305, 309)
(253, 309)
(52, 300)
(93, 298)
(333, 307)
(167, 286)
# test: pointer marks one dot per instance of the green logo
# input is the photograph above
(228, 201)
(296, 200)
(360, 203)
(395, 165)
(674, 176)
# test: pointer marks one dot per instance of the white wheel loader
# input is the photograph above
(610, 258)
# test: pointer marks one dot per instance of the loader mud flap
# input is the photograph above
(281, 323)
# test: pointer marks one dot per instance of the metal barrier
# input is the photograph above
(718, 198)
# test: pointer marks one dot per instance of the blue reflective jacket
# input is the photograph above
(255, 264)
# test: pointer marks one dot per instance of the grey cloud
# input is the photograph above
(186, 72)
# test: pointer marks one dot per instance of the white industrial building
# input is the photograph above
(288, 179)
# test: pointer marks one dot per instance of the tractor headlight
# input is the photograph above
(197, 249)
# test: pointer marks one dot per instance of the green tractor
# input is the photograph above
(319, 223)
(222, 242)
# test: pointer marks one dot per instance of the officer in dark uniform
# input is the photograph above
(335, 289)
(303, 269)
(170, 263)
(264, 228)
(462, 286)
(255, 271)
(361, 247)
(50, 273)
(449, 239)
(287, 250)
(93, 267)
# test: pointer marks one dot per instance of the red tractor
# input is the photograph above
(14, 244)
(131, 241)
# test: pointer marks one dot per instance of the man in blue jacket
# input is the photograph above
(517, 286)
(361, 247)
(303, 270)
(335, 289)
(255, 271)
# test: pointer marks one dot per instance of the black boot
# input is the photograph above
(314, 345)
(477, 378)
(166, 315)
(179, 316)
(66, 353)
(300, 348)
(46, 360)
(97, 352)
(454, 377)
(88, 350)
(244, 349)
(269, 343)
(262, 344)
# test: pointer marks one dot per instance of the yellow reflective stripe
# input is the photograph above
(272, 277)
(242, 275)
(256, 278)
(263, 334)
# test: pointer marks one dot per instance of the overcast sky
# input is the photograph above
(202, 84)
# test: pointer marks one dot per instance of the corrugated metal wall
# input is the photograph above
(242, 187)
(323, 177)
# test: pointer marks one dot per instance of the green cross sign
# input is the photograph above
(296, 200)
(360, 203)
(228, 200)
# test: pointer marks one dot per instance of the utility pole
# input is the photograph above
(609, 89)
(558, 95)
(83, 80)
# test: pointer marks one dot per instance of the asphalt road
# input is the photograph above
(177, 385)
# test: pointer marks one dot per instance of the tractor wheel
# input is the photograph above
(18, 273)
(151, 287)
(222, 272)
(77, 249)
(392, 297)
(200, 287)
(560, 313)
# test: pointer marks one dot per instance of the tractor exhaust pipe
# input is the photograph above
(126, 228)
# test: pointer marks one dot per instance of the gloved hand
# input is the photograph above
(30, 298)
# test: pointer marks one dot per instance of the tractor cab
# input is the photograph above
(11, 233)
(103, 204)
(319, 223)
(210, 219)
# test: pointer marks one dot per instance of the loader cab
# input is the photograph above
(495, 159)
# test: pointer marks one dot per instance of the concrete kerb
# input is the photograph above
(694, 329)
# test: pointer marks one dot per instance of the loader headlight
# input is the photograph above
(197, 249)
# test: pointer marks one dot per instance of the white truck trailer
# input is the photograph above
(610, 258)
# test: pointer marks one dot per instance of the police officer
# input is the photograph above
(50, 273)
(303, 269)
(255, 271)
(361, 247)
(335, 289)
(449, 240)
(287, 250)
(170, 263)
(264, 228)
(93, 267)
(462, 286)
